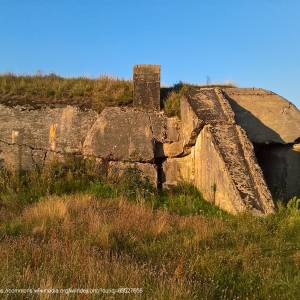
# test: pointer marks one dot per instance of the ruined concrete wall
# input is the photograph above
(212, 176)
(30, 137)
(179, 169)
(210, 147)
(217, 156)
(121, 135)
(118, 138)
(266, 117)
(130, 137)
(273, 124)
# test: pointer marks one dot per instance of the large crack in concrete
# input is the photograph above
(211, 106)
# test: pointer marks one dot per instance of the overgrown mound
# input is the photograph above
(52, 90)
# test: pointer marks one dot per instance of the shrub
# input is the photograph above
(132, 184)
(172, 102)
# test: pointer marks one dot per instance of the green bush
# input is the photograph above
(172, 101)
(172, 104)
(133, 185)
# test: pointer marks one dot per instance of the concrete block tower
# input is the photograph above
(146, 86)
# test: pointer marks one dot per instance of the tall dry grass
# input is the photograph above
(83, 241)
(39, 90)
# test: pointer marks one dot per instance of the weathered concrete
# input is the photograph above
(175, 149)
(212, 175)
(210, 147)
(234, 180)
(173, 129)
(266, 117)
(191, 125)
(20, 157)
(126, 134)
(121, 134)
(27, 134)
(118, 137)
(146, 90)
(178, 170)
(225, 168)
(271, 120)
(281, 167)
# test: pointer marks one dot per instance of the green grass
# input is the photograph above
(39, 90)
(171, 96)
(86, 93)
(66, 226)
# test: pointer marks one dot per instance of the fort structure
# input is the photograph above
(238, 146)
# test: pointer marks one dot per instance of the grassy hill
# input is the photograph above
(51, 89)
(67, 227)
(87, 93)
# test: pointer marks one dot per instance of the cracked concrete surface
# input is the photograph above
(266, 117)
(210, 147)
(273, 125)
(223, 159)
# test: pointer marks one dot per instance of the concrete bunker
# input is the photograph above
(235, 145)
(273, 125)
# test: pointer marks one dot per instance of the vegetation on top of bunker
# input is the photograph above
(87, 93)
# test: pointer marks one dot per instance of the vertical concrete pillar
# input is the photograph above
(146, 86)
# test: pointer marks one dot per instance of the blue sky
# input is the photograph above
(252, 43)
